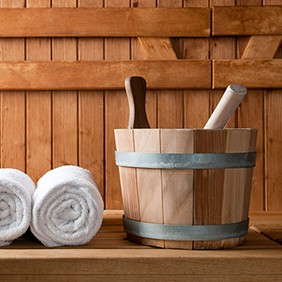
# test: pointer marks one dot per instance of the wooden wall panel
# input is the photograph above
(44, 129)
(116, 113)
(196, 102)
(83, 75)
(222, 48)
(251, 73)
(249, 118)
(91, 109)
(64, 103)
(273, 141)
(38, 109)
(136, 54)
(13, 104)
(95, 22)
(170, 103)
(236, 21)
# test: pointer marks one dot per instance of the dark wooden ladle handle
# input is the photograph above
(135, 87)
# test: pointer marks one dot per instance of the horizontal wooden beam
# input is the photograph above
(104, 75)
(104, 22)
(247, 20)
(251, 73)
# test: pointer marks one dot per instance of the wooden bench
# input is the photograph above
(110, 257)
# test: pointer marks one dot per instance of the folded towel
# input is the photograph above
(16, 189)
(67, 207)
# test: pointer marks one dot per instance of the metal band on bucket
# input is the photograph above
(186, 161)
(186, 232)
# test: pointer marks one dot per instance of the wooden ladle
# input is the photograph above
(135, 87)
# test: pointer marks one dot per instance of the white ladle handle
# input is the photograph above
(232, 97)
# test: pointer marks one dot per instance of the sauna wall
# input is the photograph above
(41, 130)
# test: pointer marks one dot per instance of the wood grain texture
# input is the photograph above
(149, 182)
(208, 185)
(91, 110)
(196, 102)
(262, 47)
(38, 109)
(177, 185)
(65, 127)
(124, 140)
(137, 54)
(169, 101)
(93, 22)
(116, 110)
(251, 73)
(236, 21)
(110, 257)
(82, 75)
(273, 137)
(154, 48)
(222, 48)
(13, 104)
(256, 47)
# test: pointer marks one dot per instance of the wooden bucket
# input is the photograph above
(186, 188)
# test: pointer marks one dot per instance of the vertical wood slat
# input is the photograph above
(64, 103)
(13, 104)
(237, 184)
(170, 101)
(177, 186)
(196, 102)
(222, 48)
(38, 109)
(137, 54)
(247, 117)
(116, 113)
(273, 141)
(124, 140)
(91, 110)
(149, 182)
(208, 185)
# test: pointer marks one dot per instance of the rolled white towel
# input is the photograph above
(16, 189)
(67, 207)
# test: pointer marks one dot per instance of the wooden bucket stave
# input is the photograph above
(187, 196)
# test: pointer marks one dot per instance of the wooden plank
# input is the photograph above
(64, 103)
(262, 47)
(236, 20)
(273, 137)
(91, 110)
(85, 22)
(177, 185)
(154, 48)
(222, 48)
(13, 104)
(251, 73)
(149, 182)
(124, 140)
(196, 102)
(142, 261)
(38, 109)
(255, 47)
(237, 182)
(116, 110)
(169, 101)
(142, 278)
(137, 54)
(260, 259)
(175, 74)
(208, 185)
(268, 224)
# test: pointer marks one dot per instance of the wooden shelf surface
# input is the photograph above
(109, 256)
